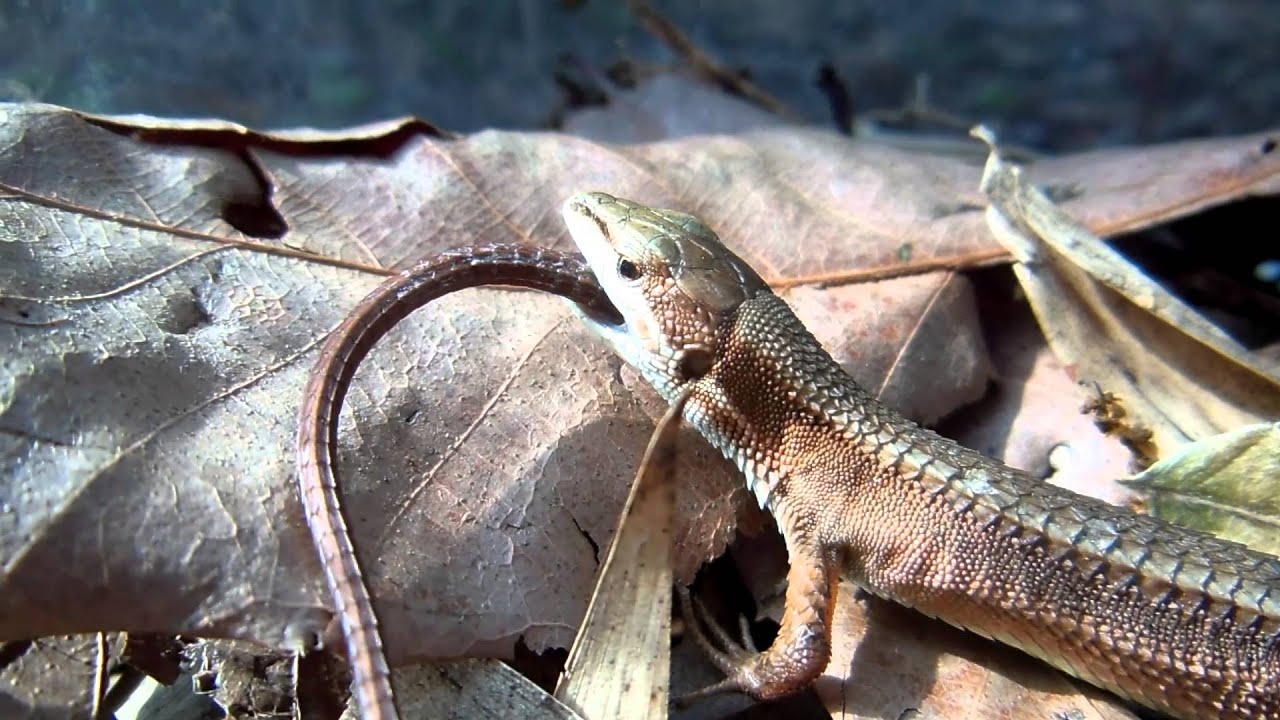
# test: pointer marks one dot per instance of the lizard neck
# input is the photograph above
(774, 399)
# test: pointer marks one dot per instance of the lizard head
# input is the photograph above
(668, 274)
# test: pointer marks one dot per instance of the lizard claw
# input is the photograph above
(732, 657)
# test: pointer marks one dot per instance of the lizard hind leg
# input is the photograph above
(802, 648)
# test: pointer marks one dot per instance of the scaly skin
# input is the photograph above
(1171, 618)
(389, 303)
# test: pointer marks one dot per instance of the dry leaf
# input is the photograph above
(902, 362)
(1226, 485)
(1124, 190)
(1176, 374)
(244, 680)
(42, 676)
(164, 292)
(1031, 418)
(161, 352)
(620, 663)
(476, 689)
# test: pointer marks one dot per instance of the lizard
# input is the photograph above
(1167, 617)
(317, 433)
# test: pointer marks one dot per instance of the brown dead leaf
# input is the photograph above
(155, 388)
(246, 681)
(1123, 190)
(56, 672)
(620, 662)
(150, 410)
(473, 689)
(1177, 376)
(1031, 418)
(899, 361)
(165, 290)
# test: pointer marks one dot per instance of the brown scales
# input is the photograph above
(1168, 617)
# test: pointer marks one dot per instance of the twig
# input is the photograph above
(705, 65)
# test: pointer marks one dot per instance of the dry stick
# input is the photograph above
(620, 662)
(704, 64)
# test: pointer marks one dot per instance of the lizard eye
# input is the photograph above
(628, 270)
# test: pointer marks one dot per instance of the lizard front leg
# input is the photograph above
(802, 648)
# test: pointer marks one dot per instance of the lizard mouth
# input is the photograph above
(604, 317)
(607, 322)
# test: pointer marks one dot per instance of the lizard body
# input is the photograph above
(1168, 617)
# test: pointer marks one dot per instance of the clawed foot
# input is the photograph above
(735, 658)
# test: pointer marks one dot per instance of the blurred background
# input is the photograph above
(1053, 75)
